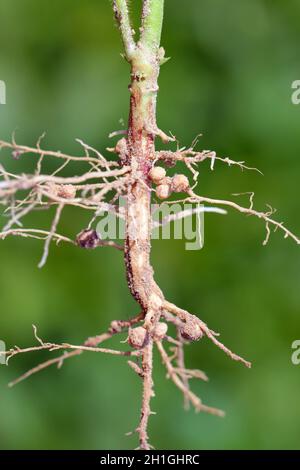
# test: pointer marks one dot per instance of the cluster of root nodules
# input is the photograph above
(97, 190)
(138, 349)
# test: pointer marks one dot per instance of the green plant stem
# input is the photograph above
(152, 21)
(122, 16)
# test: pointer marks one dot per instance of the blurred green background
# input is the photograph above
(230, 78)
